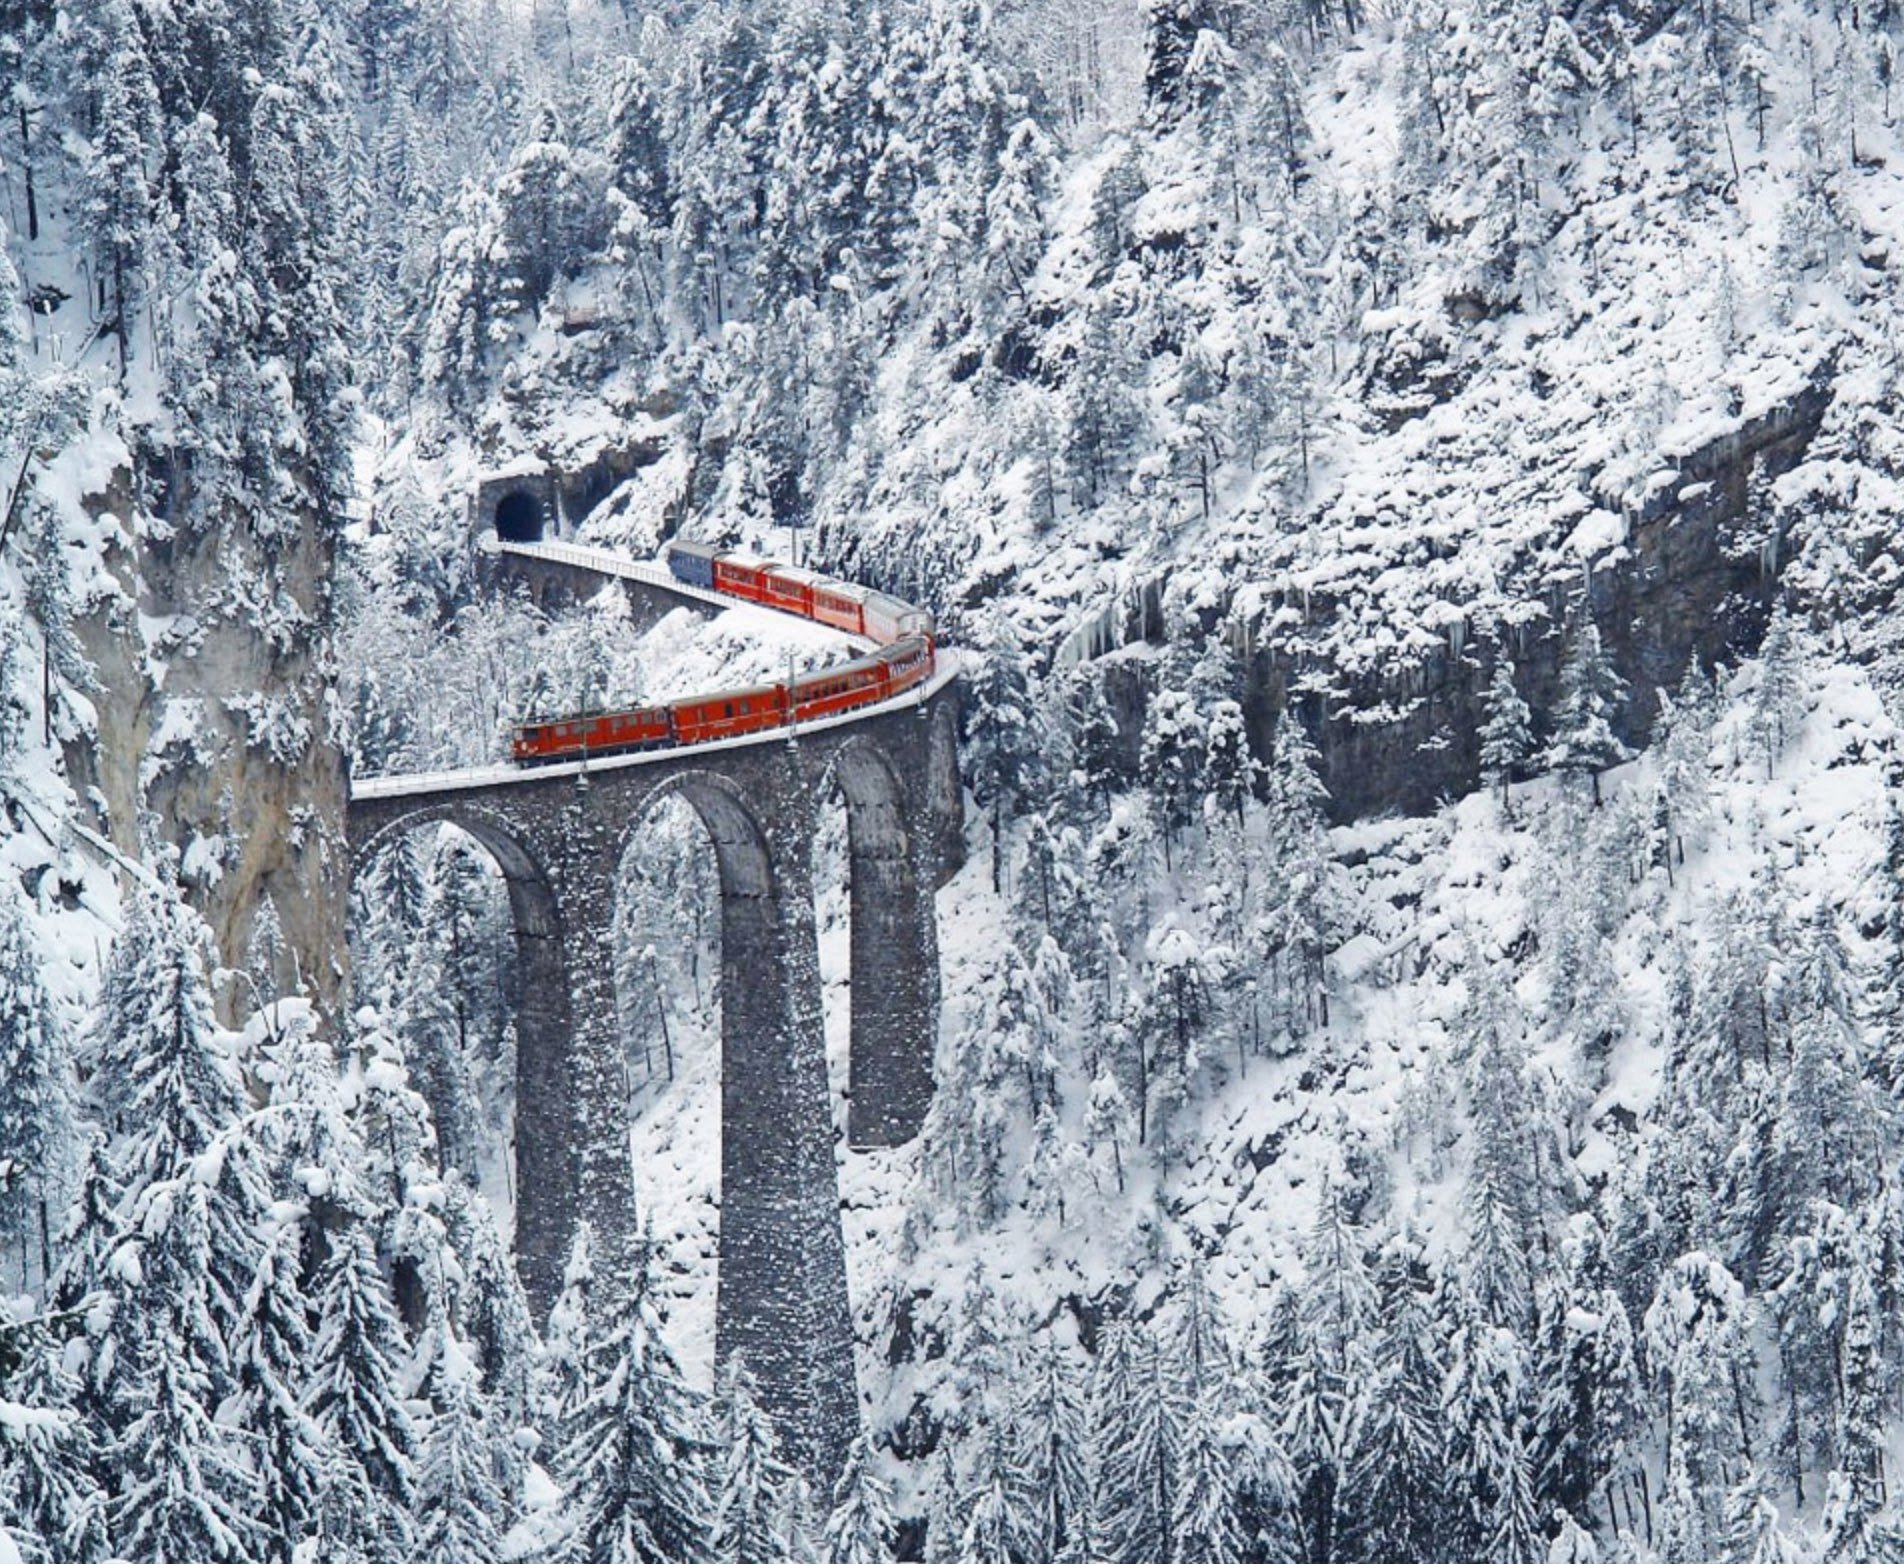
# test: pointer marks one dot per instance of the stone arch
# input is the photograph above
(781, 1303)
(546, 1162)
(520, 517)
(741, 845)
(893, 992)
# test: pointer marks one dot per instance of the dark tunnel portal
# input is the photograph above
(519, 518)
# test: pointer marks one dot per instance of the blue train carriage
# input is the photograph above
(692, 563)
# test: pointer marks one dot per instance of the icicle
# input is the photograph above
(1457, 638)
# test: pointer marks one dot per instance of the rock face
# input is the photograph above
(216, 735)
(1688, 589)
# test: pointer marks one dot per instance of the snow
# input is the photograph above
(1429, 897)
(22, 1422)
(1561, 420)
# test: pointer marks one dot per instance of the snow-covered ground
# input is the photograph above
(1430, 898)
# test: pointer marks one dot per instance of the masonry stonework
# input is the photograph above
(559, 840)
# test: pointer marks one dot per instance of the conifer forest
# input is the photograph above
(1407, 1000)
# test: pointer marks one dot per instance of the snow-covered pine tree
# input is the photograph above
(1093, 736)
(994, 1524)
(635, 1464)
(1591, 694)
(36, 1102)
(1507, 734)
(1827, 1131)
(354, 1396)
(1050, 1452)
(1204, 1522)
(1300, 900)
(1484, 1401)
(750, 1478)
(1754, 1531)
(1105, 416)
(1697, 1347)
(561, 1383)
(491, 1310)
(1006, 754)
(193, 1190)
(1134, 1449)
(182, 1490)
(1779, 700)
(860, 1528)
(271, 1358)
(451, 1011)
(1394, 1502)
(1501, 1201)
(1231, 771)
(460, 1505)
(118, 163)
(1862, 1523)
(1263, 1485)
(1682, 740)
(1329, 1367)
(56, 1511)
(1109, 1124)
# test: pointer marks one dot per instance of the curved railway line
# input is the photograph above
(901, 665)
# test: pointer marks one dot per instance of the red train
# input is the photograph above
(904, 657)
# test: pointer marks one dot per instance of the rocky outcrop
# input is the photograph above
(1689, 587)
(1694, 581)
(216, 736)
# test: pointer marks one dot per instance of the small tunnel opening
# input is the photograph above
(519, 518)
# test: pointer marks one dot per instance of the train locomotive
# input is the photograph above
(903, 656)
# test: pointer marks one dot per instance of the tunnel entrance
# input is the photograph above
(519, 518)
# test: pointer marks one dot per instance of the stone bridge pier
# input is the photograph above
(560, 836)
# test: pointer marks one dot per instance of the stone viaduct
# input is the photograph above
(559, 835)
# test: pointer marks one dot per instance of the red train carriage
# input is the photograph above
(839, 689)
(904, 660)
(610, 733)
(728, 713)
(842, 606)
(742, 575)
(907, 662)
(789, 588)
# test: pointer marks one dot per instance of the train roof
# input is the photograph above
(698, 550)
(592, 716)
(726, 695)
(812, 675)
(799, 575)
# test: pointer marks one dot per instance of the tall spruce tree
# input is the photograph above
(355, 1398)
(460, 1506)
(1591, 694)
(860, 1528)
(1507, 735)
(636, 1462)
(36, 1101)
